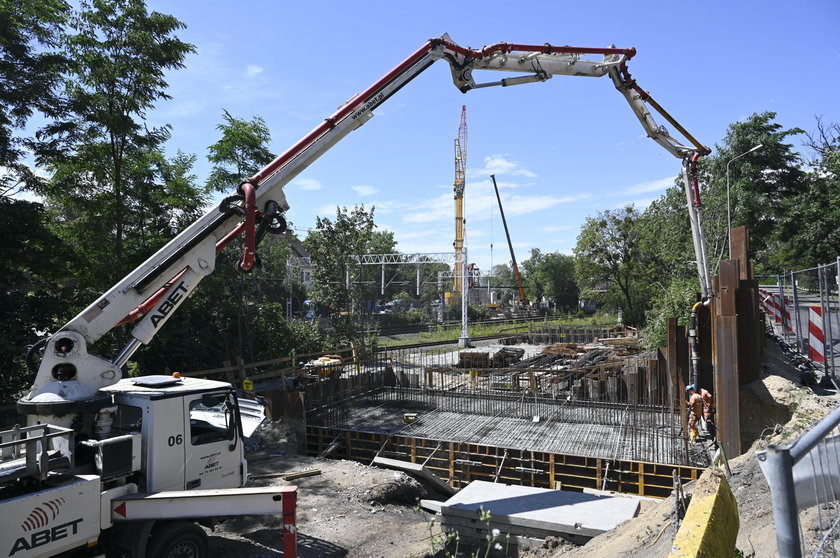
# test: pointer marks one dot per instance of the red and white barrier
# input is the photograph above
(768, 304)
(816, 335)
(773, 306)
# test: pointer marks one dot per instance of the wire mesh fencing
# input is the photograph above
(803, 309)
(804, 480)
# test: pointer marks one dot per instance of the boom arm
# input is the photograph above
(516, 274)
(151, 293)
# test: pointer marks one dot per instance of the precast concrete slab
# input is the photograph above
(535, 511)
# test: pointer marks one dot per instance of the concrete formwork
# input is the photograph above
(611, 427)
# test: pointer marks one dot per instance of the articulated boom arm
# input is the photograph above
(150, 294)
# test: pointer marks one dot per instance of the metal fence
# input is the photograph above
(804, 480)
(803, 308)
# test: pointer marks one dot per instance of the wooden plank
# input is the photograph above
(288, 475)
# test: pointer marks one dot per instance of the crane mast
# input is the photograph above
(460, 183)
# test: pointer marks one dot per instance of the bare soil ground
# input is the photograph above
(357, 511)
(347, 510)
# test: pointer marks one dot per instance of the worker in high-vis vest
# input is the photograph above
(700, 404)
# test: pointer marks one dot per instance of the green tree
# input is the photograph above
(810, 233)
(240, 153)
(105, 158)
(502, 275)
(335, 274)
(30, 72)
(551, 275)
(762, 185)
(35, 292)
(608, 258)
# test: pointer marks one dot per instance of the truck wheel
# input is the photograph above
(177, 539)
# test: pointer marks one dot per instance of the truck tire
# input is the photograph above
(177, 539)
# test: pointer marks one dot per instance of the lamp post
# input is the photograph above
(728, 207)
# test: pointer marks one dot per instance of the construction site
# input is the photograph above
(562, 431)
(550, 416)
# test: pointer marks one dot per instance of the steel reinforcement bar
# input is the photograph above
(458, 463)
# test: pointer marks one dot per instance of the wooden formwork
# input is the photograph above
(458, 463)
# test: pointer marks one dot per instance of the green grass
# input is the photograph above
(452, 332)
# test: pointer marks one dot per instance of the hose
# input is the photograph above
(692, 341)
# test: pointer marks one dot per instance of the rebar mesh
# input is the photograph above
(614, 409)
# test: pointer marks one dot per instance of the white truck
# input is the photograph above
(132, 466)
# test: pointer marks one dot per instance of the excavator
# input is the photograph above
(125, 463)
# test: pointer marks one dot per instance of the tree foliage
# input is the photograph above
(240, 153)
(609, 262)
(551, 275)
(763, 186)
(31, 64)
(108, 167)
(335, 274)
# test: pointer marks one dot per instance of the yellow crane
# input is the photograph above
(460, 182)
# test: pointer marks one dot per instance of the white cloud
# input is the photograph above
(253, 70)
(522, 205)
(308, 184)
(499, 164)
(364, 190)
(185, 109)
(651, 186)
(478, 206)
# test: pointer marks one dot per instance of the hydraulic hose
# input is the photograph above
(692, 341)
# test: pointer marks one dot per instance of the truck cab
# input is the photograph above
(191, 435)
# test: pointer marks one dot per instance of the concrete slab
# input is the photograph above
(431, 505)
(475, 528)
(541, 509)
(417, 470)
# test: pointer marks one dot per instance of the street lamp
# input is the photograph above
(728, 208)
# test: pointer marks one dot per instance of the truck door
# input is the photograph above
(214, 448)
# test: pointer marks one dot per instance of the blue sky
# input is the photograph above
(561, 150)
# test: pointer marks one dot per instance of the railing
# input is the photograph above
(803, 308)
(804, 480)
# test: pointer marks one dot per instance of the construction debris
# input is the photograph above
(568, 350)
(288, 475)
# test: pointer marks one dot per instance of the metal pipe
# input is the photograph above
(823, 296)
(692, 340)
(800, 346)
(780, 283)
(126, 353)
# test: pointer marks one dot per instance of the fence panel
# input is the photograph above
(803, 308)
(804, 481)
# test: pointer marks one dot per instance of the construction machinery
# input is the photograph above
(459, 185)
(523, 300)
(130, 466)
